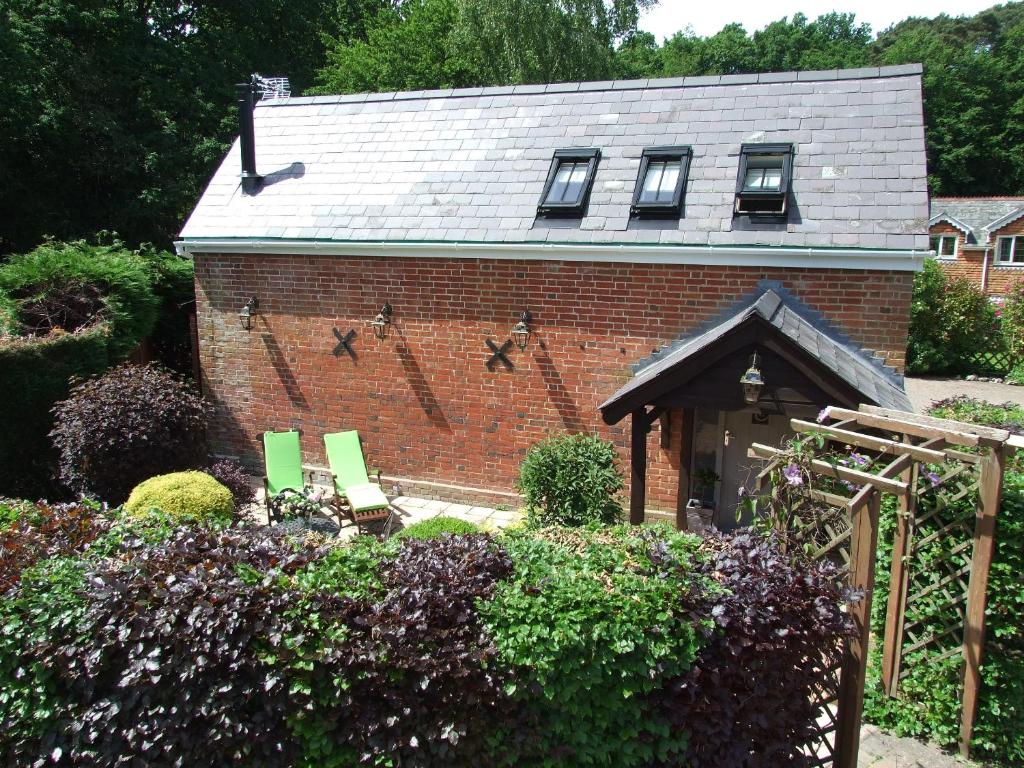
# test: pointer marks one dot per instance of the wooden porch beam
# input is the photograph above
(869, 442)
(638, 465)
(685, 459)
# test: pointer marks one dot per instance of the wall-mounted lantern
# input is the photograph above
(381, 322)
(248, 311)
(752, 381)
(521, 330)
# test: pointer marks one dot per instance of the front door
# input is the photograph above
(741, 428)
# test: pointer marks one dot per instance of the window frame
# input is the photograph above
(941, 236)
(781, 195)
(682, 153)
(1013, 251)
(575, 208)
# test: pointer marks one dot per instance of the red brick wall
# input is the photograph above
(969, 264)
(423, 401)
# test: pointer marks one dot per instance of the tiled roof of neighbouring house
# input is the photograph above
(470, 165)
(979, 216)
(876, 382)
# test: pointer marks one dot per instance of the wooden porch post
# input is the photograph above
(638, 466)
(685, 457)
(864, 541)
(990, 489)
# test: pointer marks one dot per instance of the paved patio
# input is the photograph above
(408, 510)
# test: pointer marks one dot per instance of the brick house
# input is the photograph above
(631, 249)
(979, 238)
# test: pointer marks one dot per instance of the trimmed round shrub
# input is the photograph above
(132, 423)
(185, 495)
(571, 480)
(438, 526)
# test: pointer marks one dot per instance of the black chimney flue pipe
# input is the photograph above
(251, 181)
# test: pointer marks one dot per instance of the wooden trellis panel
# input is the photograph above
(942, 551)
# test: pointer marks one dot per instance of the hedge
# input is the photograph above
(201, 647)
(929, 704)
(35, 369)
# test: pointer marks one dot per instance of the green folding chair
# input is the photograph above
(282, 459)
(365, 501)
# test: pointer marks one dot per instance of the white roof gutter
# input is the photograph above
(711, 255)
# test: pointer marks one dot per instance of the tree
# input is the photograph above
(116, 111)
(450, 43)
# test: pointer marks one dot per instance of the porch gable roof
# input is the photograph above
(869, 378)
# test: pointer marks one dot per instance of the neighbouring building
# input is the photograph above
(980, 239)
(458, 274)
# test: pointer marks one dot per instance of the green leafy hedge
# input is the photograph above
(929, 705)
(127, 642)
(951, 321)
(66, 310)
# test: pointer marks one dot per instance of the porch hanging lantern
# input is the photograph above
(752, 381)
(247, 312)
(381, 322)
(521, 330)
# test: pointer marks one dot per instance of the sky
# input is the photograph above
(707, 18)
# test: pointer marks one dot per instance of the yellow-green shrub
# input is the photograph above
(185, 495)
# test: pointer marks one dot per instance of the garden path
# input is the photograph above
(883, 750)
(924, 391)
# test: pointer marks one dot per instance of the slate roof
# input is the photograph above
(469, 165)
(978, 217)
(878, 383)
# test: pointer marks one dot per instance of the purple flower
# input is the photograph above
(792, 475)
(933, 478)
(859, 460)
(823, 414)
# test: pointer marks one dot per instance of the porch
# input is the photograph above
(737, 381)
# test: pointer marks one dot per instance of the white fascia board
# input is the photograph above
(706, 255)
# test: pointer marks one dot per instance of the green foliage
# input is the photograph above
(592, 624)
(46, 605)
(1011, 324)
(118, 112)
(453, 43)
(951, 320)
(68, 310)
(571, 480)
(132, 423)
(186, 496)
(438, 526)
(173, 279)
(151, 641)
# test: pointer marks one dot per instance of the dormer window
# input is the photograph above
(944, 246)
(661, 181)
(568, 184)
(762, 185)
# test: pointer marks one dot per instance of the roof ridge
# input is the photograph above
(756, 78)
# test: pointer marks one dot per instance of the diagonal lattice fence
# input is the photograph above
(947, 479)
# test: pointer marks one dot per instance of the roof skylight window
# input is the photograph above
(661, 181)
(569, 181)
(762, 186)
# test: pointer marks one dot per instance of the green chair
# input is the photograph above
(364, 500)
(282, 459)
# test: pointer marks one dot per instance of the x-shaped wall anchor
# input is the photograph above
(345, 342)
(500, 353)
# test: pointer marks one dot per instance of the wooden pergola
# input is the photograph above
(973, 458)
